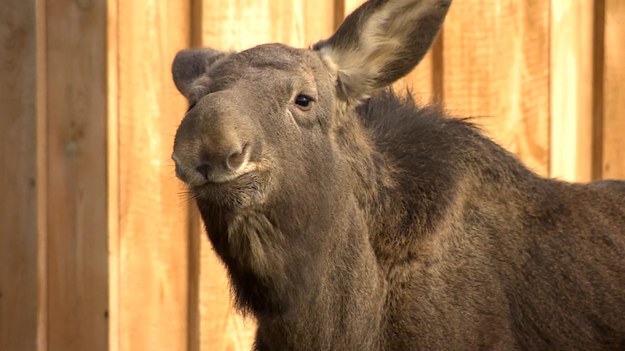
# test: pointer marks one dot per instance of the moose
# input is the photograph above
(350, 217)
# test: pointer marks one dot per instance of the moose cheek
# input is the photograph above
(302, 119)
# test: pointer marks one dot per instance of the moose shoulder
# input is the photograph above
(351, 219)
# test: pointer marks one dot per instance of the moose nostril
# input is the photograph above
(236, 159)
(213, 167)
(204, 169)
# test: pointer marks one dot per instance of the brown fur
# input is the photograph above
(370, 223)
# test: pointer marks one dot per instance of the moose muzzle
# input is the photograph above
(212, 144)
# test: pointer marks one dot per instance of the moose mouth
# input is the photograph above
(237, 193)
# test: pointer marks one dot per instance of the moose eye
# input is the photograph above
(304, 102)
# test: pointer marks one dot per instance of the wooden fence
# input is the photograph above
(99, 247)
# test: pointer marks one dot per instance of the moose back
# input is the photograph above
(349, 218)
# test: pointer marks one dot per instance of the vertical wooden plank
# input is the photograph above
(216, 313)
(22, 178)
(613, 145)
(194, 315)
(113, 181)
(496, 69)
(237, 25)
(241, 24)
(349, 6)
(42, 177)
(422, 81)
(153, 212)
(598, 41)
(571, 89)
(77, 222)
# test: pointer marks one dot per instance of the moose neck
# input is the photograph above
(334, 298)
(305, 269)
(411, 166)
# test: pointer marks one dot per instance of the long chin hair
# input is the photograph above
(272, 249)
(262, 272)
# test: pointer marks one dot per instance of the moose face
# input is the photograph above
(256, 149)
(259, 122)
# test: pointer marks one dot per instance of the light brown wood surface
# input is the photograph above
(77, 271)
(424, 81)
(496, 70)
(22, 179)
(242, 24)
(152, 232)
(113, 181)
(613, 136)
(571, 89)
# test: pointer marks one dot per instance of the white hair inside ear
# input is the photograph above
(381, 42)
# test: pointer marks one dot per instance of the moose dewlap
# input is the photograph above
(351, 219)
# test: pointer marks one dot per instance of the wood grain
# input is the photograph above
(238, 25)
(42, 176)
(241, 24)
(613, 142)
(77, 210)
(152, 262)
(571, 89)
(113, 181)
(496, 69)
(22, 179)
(348, 6)
(423, 80)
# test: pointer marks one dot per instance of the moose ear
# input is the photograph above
(191, 64)
(382, 41)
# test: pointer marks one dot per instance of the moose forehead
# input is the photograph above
(277, 63)
(278, 56)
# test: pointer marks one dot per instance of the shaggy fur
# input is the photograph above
(352, 223)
